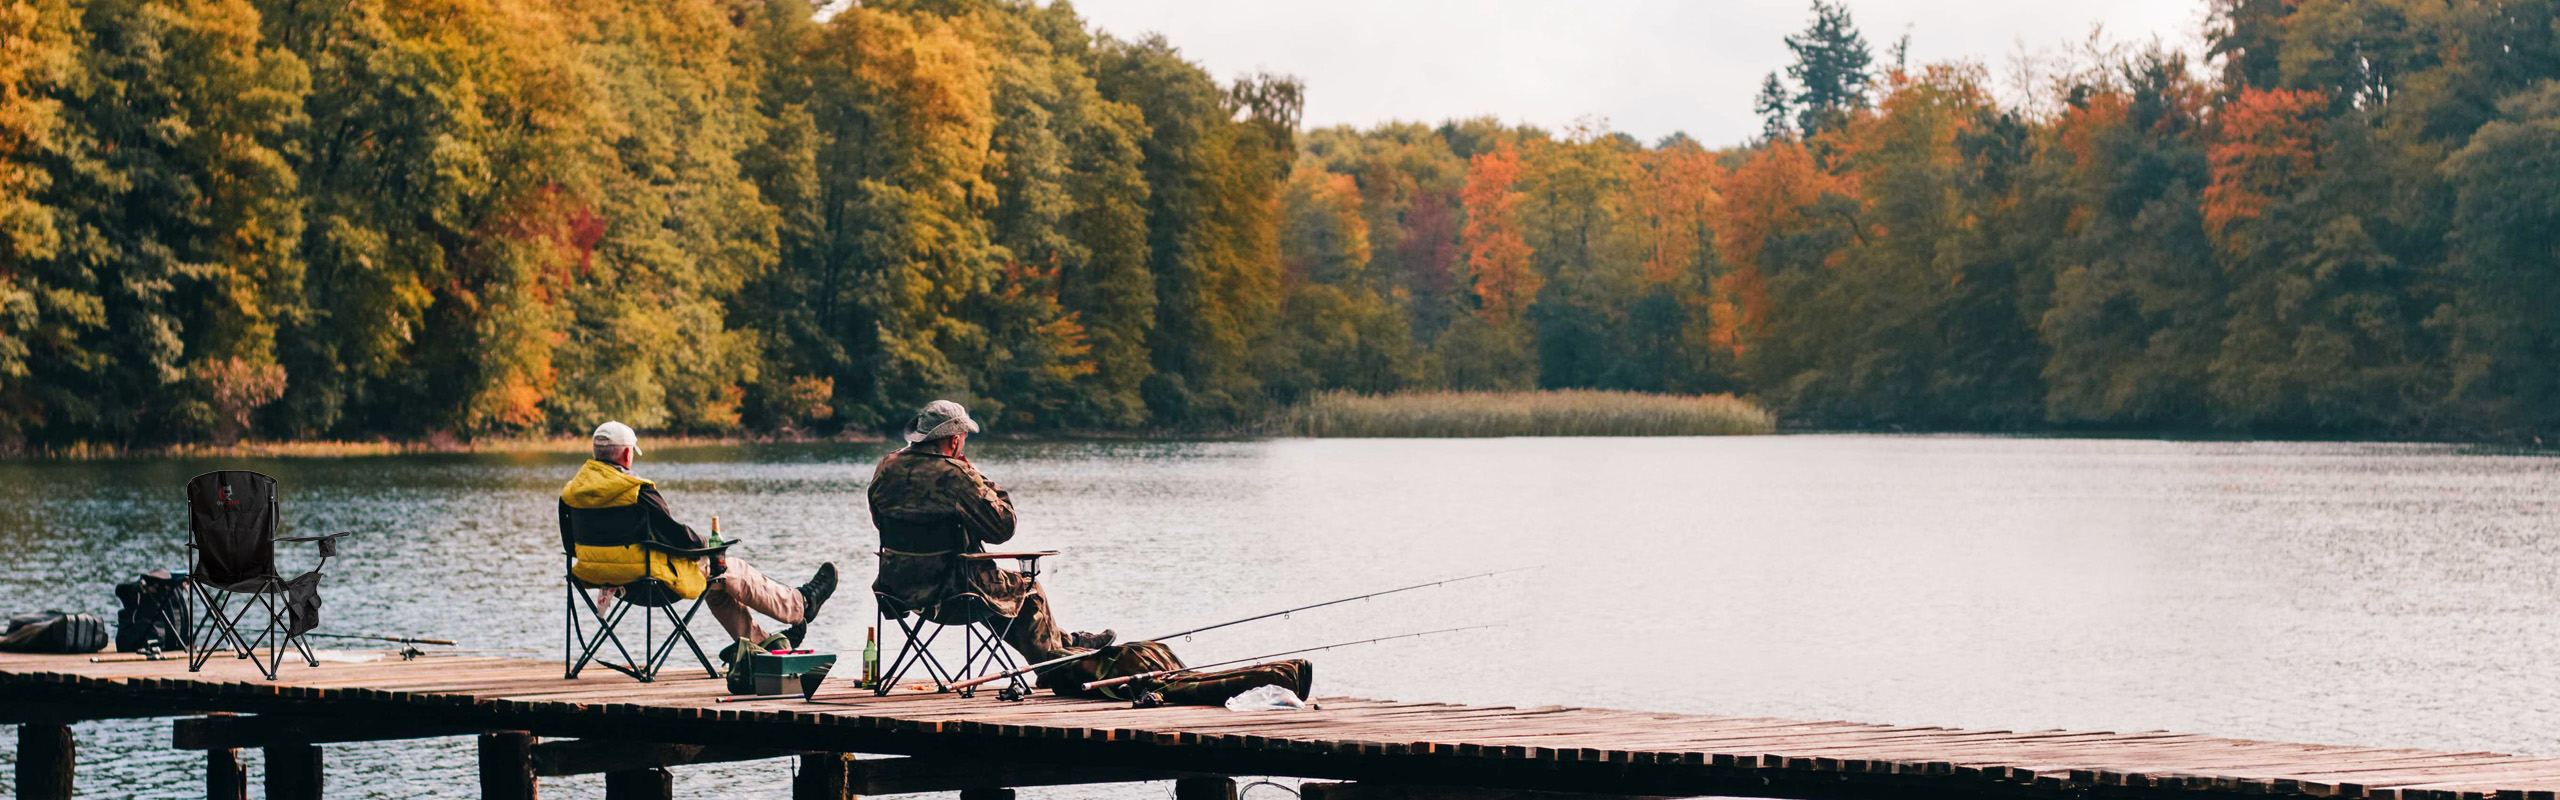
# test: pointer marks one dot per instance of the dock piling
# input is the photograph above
(506, 766)
(225, 778)
(650, 783)
(824, 776)
(1204, 788)
(45, 755)
(293, 772)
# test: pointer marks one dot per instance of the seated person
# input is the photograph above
(620, 528)
(931, 505)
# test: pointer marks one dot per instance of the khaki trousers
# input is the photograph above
(736, 591)
(740, 589)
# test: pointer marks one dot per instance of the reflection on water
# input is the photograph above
(2346, 593)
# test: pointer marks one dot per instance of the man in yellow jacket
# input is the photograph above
(619, 529)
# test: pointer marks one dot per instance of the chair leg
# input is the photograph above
(917, 650)
(683, 631)
(685, 627)
(272, 637)
(224, 624)
(605, 634)
(986, 654)
(903, 660)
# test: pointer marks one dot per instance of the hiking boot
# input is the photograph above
(813, 595)
(1092, 641)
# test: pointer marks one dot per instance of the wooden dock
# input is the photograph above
(531, 723)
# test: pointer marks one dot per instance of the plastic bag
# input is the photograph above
(1267, 698)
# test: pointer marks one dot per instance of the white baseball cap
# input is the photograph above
(616, 433)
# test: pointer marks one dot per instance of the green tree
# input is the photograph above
(1831, 71)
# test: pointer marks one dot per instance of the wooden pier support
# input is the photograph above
(916, 774)
(506, 766)
(45, 755)
(652, 783)
(592, 756)
(1204, 788)
(824, 776)
(293, 772)
(225, 778)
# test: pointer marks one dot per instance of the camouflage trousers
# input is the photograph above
(1031, 631)
(1190, 688)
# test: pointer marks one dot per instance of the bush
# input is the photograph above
(1548, 413)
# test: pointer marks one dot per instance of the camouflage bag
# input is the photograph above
(1190, 688)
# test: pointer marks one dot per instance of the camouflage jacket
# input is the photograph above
(928, 507)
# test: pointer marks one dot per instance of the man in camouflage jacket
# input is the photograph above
(930, 505)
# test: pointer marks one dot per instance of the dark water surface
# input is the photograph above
(2366, 594)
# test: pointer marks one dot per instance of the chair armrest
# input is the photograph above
(328, 543)
(690, 552)
(1018, 556)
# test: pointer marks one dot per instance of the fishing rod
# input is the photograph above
(1028, 669)
(392, 639)
(1165, 672)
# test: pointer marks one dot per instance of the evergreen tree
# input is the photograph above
(1776, 109)
(1831, 69)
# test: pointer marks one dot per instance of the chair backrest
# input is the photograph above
(231, 520)
(596, 526)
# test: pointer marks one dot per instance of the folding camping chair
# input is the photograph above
(659, 599)
(982, 647)
(231, 539)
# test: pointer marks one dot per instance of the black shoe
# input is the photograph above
(1092, 641)
(813, 596)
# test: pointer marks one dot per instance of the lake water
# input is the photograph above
(2365, 594)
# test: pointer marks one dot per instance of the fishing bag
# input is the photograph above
(54, 632)
(154, 614)
(1189, 688)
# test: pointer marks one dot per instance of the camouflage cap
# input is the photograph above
(939, 419)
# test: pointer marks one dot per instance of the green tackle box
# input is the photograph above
(781, 674)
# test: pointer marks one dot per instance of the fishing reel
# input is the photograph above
(1014, 693)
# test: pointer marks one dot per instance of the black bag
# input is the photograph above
(54, 632)
(155, 616)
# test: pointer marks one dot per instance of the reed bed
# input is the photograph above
(1572, 412)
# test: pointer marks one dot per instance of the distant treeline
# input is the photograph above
(2346, 222)
(418, 218)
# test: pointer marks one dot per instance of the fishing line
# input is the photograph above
(1066, 659)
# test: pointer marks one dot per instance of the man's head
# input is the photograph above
(616, 443)
(940, 419)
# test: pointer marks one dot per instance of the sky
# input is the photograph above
(1646, 67)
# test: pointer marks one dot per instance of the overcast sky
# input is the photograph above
(1649, 67)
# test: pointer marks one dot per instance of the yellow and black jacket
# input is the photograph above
(616, 526)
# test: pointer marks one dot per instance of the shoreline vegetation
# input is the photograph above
(754, 222)
(1570, 412)
(1439, 414)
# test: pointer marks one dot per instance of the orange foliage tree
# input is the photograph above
(1676, 192)
(1764, 198)
(1496, 251)
(2264, 150)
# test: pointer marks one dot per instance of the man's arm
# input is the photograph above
(663, 527)
(985, 509)
(989, 522)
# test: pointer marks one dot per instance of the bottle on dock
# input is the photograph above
(871, 658)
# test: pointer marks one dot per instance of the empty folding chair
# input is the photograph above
(231, 542)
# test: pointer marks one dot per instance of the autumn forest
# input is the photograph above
(409, 218)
